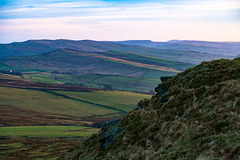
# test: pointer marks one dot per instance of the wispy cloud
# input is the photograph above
(109, 19)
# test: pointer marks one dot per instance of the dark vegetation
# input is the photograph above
(17, 116)
(27, 84)
(199, 120)
(12, 72)
(28, 149)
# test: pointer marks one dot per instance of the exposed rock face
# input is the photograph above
(200, 119)
(110, 133)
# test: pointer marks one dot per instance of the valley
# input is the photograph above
(36, 117)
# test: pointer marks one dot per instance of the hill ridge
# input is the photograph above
(36, 47)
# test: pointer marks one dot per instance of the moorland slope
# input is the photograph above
(194, 115)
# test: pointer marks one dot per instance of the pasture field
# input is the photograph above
(25, 109)
(9, 77)
(40, 142)
(118, 99)
(70, 103)
(42, 77)
(46, 132)
(99, 80)
(41, 101)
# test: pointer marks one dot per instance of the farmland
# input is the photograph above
(62, 104)
(100, 81)
(40, 142)
(47, 132)
(41, 120)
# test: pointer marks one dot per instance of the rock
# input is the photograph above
(165, 78)
(110, 132)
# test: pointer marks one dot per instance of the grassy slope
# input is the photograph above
(47, 131)
(117, 99)
(29, 102)
(98, 80)
(44, 102)
(68, 58)
(40, 142)
(41, 77)
(47, 102)
(195, 115)
(151, 60)
(34, 148)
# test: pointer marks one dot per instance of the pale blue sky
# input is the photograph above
(158, 20)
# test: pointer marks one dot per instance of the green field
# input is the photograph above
(75, 107)
(47, 131)
(41, 77)
(118, 99)
(41, 142)
(99, 80)
(49, 102)
(45, 102)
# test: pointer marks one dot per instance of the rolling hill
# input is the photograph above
(226, 49)
(67, 66)
(34, 47)
(66, 59)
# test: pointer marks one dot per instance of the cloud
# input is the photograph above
(148, 9)
(115, 20)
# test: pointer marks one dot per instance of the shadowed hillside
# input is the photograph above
(195, 115)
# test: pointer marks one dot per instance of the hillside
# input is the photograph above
(67, 59)
(112, 69)
(228, 49)
(195, 115)
(22, 100)
(35, 47)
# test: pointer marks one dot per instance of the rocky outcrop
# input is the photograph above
(199, 119)
(110, 132)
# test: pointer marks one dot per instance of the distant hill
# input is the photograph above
(110, 70)
(194, 116)
(35, 47)
(222, 48)
(112, 62)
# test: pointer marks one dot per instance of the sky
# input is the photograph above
(115, 20)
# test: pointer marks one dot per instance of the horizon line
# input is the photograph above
(195, 40)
